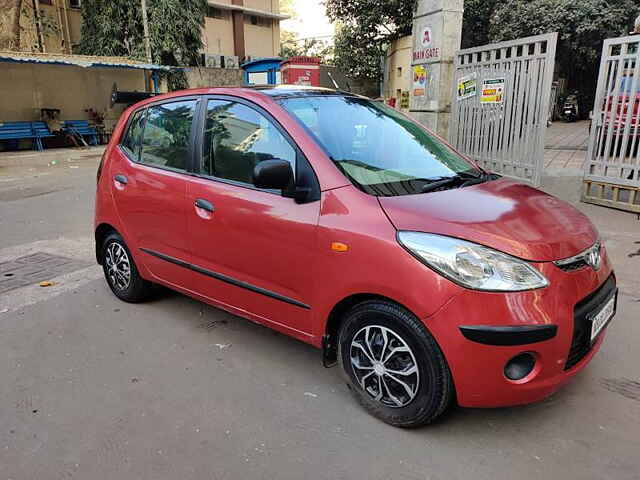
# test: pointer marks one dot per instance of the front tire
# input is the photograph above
(394, 366)
(120, 271)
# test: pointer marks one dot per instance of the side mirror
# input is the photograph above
(274, 174)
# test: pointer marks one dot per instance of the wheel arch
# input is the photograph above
(336, 318)
(101, 233)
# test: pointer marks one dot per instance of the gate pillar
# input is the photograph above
(437, 33)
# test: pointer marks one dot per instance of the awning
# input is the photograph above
(247, 10)
(85, 61)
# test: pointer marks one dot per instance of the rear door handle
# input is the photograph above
(204, 205)
(121, 179)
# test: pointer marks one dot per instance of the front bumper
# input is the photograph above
(540, 322)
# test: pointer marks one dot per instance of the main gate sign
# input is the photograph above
(501, 104)
(612, 167)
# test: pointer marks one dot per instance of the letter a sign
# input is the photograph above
(426, 37)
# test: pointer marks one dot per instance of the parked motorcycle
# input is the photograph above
(571, 109)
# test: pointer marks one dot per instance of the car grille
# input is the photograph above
(581, 343)
(570, 267)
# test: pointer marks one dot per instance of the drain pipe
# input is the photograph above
(63, 40)
(66, 21)
(36, 15)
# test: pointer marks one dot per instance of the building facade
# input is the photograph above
(241, 29)
(398, 75)
(247, 29)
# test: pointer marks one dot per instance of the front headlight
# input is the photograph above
(472, 265)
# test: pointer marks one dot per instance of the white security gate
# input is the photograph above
(500, 104)
(612, 167)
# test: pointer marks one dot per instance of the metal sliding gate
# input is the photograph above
(500, 104)
(612, 166)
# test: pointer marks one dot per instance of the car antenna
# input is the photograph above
(335, 84)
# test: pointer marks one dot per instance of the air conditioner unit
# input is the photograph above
(231, 61)
(75, 3)
(212, 61)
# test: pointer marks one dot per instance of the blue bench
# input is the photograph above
(42, 131)
(82, 128)
(14, 131)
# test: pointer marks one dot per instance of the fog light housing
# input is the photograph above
(519, 366)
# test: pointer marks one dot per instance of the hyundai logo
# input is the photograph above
(592, 257)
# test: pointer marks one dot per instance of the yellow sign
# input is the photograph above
(492, 91)
(467, 86)
(419, 80)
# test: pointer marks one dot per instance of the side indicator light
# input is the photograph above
(339, 247)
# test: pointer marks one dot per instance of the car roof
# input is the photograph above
(274, 92)
(288, 91)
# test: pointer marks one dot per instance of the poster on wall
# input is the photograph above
(492, 91)
(404, 100)
(467, 86)
(419, 80)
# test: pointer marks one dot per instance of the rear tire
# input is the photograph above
(120, 271)
(394, 366)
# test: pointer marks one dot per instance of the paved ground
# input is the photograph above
(566, 145)
(93, 388)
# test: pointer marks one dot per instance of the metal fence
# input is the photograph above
(500, 105)
(612, 166)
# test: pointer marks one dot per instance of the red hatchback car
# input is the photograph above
(341, 222)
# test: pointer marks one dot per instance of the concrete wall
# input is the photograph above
(214, 77)
(367, 88)
(261, 41)
(218, 34)
(264, 5)
(26, 88)
(63, 25)
(398, 71)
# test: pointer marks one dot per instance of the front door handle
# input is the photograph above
(121, 179)
(204, 205)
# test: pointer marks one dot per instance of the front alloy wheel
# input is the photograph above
(385, 366)
(394, 366)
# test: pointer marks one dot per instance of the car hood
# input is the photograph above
(502, 214)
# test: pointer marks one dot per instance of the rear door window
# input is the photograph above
(166, 141)
(131, 142)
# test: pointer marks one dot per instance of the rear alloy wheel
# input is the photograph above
(394, 366)
(121, 272)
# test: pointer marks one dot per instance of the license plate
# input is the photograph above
(601, 318)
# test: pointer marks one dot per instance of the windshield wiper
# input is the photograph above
(464, 179)
(441, 183)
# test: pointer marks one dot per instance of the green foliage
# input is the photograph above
(475, 23)
(290, 46)
(582, 25)
(365, 29)
(114, 28)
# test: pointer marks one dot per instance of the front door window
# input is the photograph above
(237, 138)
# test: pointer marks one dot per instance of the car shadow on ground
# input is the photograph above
(282, 350)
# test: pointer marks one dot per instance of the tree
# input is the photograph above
(114, 28)
(582, 26)
(476, 21)
(365, 29)
(291, 46)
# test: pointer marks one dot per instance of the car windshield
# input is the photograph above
(380, 150)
